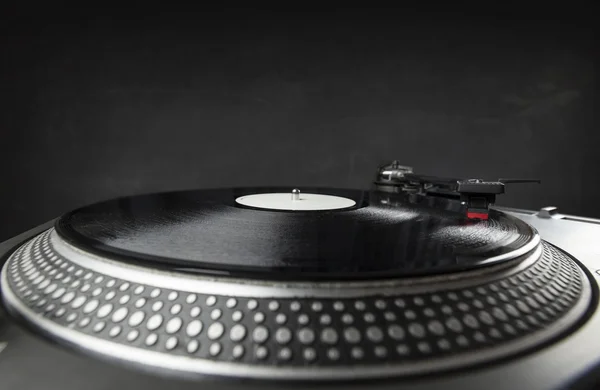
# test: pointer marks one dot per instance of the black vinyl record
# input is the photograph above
(206, 231)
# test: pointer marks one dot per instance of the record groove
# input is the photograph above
(204, 231)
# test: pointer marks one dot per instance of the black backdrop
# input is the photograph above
(104, 103)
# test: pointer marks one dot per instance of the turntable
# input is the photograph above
(419, 282)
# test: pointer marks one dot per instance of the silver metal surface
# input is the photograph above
(547, 212)
(237, 333)
(30, 362)
(256, 288)
(393, 171)
(215, 331)
(295, 194)
(167, 346)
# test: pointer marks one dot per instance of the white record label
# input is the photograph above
(295, 201)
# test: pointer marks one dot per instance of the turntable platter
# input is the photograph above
(194, 284)
(208, 231)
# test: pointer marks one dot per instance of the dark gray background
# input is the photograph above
(105, 103)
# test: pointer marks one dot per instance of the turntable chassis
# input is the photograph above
(29, 362)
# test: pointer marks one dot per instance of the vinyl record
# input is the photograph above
(207, 231)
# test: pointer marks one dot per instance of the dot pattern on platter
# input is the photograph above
(294, 332)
